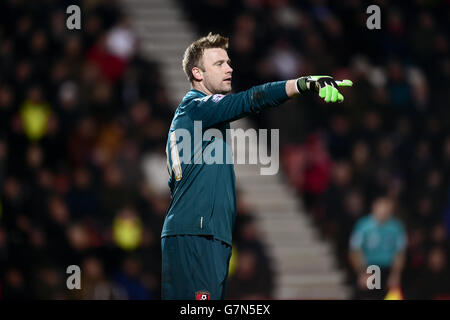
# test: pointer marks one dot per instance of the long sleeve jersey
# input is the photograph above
(203, 194)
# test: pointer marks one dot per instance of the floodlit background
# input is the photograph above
(84, 116)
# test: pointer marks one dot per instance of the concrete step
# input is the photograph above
(286, 225)
(168, 60)
(256, 179)
(300, 233)
(312, 280)
(272, 190)
(288, 241)
(320, 249)
(252, 169)
(149, 4)
(175, 74)
(301, 268)
(145, 28)
(251, 176)
(292, 227)
(168, 37)
(303, 264)
(266, 189)
(154, 13)
(279, 236)
(171, 42)
(294, 256)
(286, 215)
(164, 23)
(175, 70)
(248, 170)
(270, 198)
(181, 91)
(301, 239)
(274, 206)
(162, 49)
(181, 83)
(322, 293)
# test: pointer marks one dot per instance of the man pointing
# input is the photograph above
(196, 236)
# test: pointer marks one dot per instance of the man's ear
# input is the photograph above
(197, 73)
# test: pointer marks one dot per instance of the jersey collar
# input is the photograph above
(195, 91)
(192, 94)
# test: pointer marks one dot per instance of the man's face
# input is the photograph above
(383, 210)
(216, 71)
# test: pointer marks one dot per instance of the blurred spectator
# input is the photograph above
(50, 283)
(308, 167)
(433, 282)
(128, 279)
(111, 66)
(14, 285)
(249, 281)
(113, 192)
(399, 89)
(284, 61)
(380, 240)
(127, 229)
(339, 137)
(95, 283)
(353, 210)
(121, 40)
(82, 198)
(35, 114)
(333, 208)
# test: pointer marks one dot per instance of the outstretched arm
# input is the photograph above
(218, 108)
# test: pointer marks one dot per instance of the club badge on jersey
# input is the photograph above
(202, 295)
(217, 97)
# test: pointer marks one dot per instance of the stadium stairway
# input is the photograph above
(304, 264)
(164, 34)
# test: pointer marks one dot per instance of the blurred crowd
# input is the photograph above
(80, 110)
(84, 120)
(391, 135)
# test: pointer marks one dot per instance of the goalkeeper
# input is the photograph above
(196, 236)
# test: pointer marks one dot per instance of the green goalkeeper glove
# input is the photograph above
(326, 86)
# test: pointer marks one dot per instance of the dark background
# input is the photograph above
(76, 121)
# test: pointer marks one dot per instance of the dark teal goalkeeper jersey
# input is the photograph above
(203, 194)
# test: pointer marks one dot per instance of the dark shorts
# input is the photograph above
(194, 267)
